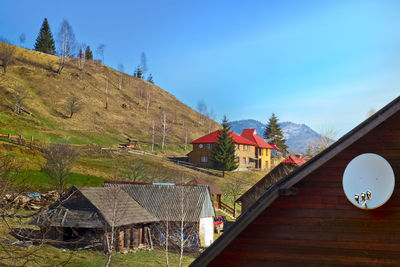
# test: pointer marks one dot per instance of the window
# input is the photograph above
(244, 160)
(238, 147)
(248, 147)
(200, 145)
(203, 159)
(244, 147)
(208, 146)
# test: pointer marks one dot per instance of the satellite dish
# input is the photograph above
(368, 181)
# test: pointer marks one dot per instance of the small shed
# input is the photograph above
(86, 215)
(279, 172)
(306, 218)
(216, 193)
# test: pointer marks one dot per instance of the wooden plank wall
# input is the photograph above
(319, 226)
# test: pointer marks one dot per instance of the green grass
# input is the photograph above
(38, 179)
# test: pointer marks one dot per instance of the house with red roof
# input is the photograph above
(251, 150)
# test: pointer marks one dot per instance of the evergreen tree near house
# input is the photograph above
(273, 134)
(224, 151)
(88, 53)
(44, 41)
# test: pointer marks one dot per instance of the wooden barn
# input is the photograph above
(86, 215)
(177, 203)
(280, 171)
(306, 218)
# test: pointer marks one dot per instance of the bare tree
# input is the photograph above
(235, 188)
(328, 137)
(67, 43)
(22, 39)
(143, 63)
(73, 105)
(135, 171)
(106, 107)
(60, 159)
(7, 55)
(100, 52)
(17, 235)
(20, 96)
(82, 56)
(163, 127)
(153, 128)
(121, 69)
(148, 99)
(370, 112)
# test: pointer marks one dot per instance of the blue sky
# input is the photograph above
(322, 63)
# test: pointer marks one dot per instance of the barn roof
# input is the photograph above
(164, 201)
(251, 134)
(213, 190)
(97, 205)
(273, 192)
(212, 138)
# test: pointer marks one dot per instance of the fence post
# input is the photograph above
(31, 138)
(8, 136)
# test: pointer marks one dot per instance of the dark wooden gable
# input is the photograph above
(319, 226)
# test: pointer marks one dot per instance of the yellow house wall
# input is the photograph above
(265, 157)
(244, 153)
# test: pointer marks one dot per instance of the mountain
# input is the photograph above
(297, 136)
(109, 114)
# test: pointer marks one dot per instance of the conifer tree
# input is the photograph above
(138, 72)
(273, 134)
(44, 41)
(150, 79)
(88, 53)
(224, 151)
(80, 53)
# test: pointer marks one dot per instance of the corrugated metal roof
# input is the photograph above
(165, 202)
(213, 189)
(251, 134)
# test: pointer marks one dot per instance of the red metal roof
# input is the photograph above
(213, 189)
(251, 134)
(295, 160)
(213, 138)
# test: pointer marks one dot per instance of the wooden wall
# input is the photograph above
(319, 226)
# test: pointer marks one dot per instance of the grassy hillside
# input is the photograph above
(126, 115)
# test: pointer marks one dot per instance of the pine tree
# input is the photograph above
(138, 72)
(224, 151)
(88, 53)
(273, 134)
(44, 41)
(150, 79)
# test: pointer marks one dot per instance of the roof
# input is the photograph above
(213, 138)
(303, 171)
(295, 160)
(251, 134)
(73, 211)
(164, 201)
(213, 190)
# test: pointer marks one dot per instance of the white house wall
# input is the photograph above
(206, 231)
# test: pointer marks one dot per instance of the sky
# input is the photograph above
(322, 63)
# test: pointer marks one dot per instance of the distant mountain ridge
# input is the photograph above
(297, 136)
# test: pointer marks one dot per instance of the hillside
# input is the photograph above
(297, 136)
(126, 116)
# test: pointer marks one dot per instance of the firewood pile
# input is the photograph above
(30, 201)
